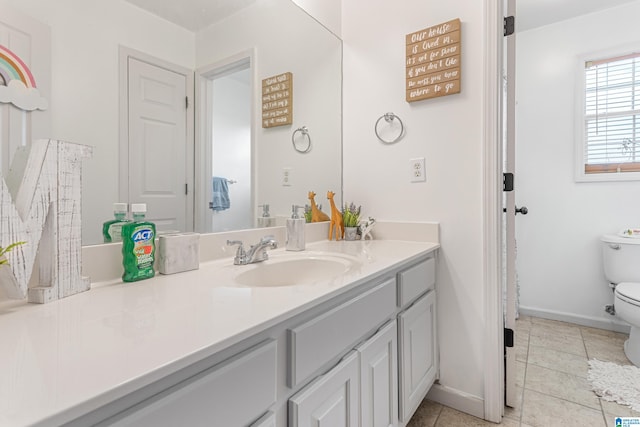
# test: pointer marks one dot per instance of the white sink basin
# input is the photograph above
(299, 269)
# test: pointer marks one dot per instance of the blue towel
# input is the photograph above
(220, 200)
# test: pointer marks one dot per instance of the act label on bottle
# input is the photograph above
(143, 246)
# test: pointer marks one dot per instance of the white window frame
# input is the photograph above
(579, 173)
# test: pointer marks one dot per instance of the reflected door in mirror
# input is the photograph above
(158, 144)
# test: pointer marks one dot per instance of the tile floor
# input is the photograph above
(552, 386)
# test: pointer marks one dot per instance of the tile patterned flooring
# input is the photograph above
(552, 386)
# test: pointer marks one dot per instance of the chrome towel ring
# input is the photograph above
(389, 118)
(300, 147)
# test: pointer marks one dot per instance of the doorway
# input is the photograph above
(226, 145)
(156, 143)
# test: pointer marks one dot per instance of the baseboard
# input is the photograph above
(611, 325)
(456, 399)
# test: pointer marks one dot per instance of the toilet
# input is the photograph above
(621, 256)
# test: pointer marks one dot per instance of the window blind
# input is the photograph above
(612, 115)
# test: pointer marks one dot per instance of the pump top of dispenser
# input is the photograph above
(265, 210)
(294, 211)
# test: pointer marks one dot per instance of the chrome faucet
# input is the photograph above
(256, 253)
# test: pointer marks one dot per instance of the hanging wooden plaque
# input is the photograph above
(433, 61)
(277, 100)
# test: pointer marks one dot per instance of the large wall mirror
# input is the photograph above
(110, 69)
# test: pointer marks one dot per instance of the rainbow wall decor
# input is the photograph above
(17, 85)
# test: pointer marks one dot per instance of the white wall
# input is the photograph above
(313, 56)
(559, 260)
(448, 133)
(84, 100)
(327, 12)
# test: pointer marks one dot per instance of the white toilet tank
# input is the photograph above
(621, 256)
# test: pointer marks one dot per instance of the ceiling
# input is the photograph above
(536, 13)
(193, 15)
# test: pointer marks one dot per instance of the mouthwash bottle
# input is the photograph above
(138, 246)
(112, 229)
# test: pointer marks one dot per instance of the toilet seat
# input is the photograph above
(629, 292)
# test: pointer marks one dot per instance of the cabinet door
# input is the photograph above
(331, 400)
(379, 378)
(268, 420)
(418, 355)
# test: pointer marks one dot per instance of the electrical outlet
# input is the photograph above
(286, 177)
(417, 170)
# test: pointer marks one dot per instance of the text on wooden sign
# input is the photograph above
(277, 100)
(433, 61)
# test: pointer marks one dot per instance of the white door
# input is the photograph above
(379, 378)
(509, 205)
(330, 401)
(30, 40)
(418, 356)
(158, 170)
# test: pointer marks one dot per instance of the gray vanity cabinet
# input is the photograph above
(216, 397)
(362, 390)
(379, 378)
(417, 348)
(268, 420)
(331, 400)
(314, 343)
(334, 398)
(363, 359)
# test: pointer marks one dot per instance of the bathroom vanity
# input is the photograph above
(233, 345)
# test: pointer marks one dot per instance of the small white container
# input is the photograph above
(178, 252)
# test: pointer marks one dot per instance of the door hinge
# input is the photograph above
(509, 25)
(186, 102)
(507, 181)
(186, 189)
(508, 337)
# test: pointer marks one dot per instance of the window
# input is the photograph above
(611, 116)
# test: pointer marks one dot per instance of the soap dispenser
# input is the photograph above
(295, 230)
(266, 220)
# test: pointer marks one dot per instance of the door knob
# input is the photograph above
(523, 210)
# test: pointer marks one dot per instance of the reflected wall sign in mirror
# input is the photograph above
(174, 165)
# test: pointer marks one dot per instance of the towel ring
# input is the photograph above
(305, 132)
(389, 118)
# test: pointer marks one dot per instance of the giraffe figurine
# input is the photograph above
(316, 214)
(337, 224)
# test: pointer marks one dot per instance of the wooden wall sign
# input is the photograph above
(277, 100)
(433, 61)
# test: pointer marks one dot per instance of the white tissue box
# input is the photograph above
(178, 252)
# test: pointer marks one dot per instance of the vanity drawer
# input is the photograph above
(416, 280)
(316, 342)
(220, 393)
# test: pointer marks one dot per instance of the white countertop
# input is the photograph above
(69, 357)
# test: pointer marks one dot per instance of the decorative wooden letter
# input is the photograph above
(45, 183)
